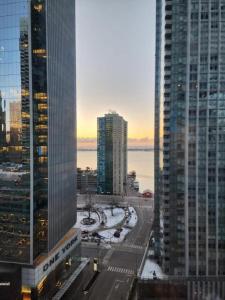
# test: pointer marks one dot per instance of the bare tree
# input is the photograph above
(89, 204)
(114, 203)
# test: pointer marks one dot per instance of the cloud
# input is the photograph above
(86, 143)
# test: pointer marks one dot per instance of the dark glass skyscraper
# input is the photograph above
(194, 140)
(38, 153)
(158, 124)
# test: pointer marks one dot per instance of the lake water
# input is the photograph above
(140, 161)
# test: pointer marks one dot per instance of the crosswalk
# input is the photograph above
(107, 256)
(133, 246)
(120, 270)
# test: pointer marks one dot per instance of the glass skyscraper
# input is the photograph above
(112, 154)
(37, 127)
(157, 150)
(194, 139)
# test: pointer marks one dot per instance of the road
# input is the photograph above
(118, 265)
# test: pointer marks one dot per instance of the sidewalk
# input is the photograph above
(71, 279)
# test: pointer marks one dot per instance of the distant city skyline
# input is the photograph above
(115, 67)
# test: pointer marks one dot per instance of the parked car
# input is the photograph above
(85, 232)
(96, 234)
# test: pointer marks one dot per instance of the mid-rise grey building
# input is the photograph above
(38, 168)
(112, 154)
(194, 142)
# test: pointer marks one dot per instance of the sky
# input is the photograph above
(115, 43)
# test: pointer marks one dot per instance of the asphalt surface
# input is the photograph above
(118, 266)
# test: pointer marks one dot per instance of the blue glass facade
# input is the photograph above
(37, 126)
(194, 127)
(157, 151)
(15, 176)
(101, 159)
(112, 154)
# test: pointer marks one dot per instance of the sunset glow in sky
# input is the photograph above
(115, 66)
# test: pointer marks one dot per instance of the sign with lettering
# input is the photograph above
(32, 276)
(54, 259)
(4, 283)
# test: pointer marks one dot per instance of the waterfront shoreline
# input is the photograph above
(140, 161)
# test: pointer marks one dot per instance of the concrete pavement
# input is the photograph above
(119, 264)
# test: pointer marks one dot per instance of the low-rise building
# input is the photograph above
(86, 181)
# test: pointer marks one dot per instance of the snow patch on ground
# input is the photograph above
(118, 216)
(132, 219)
(84, 214)
(149, 267)
(119, 219)
(108, 235)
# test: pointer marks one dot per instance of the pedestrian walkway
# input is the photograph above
(107, 257)
(129, 246)
(120, 270)
(67, 284)
(133, 246)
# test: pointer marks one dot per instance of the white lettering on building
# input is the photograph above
(58, 254)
